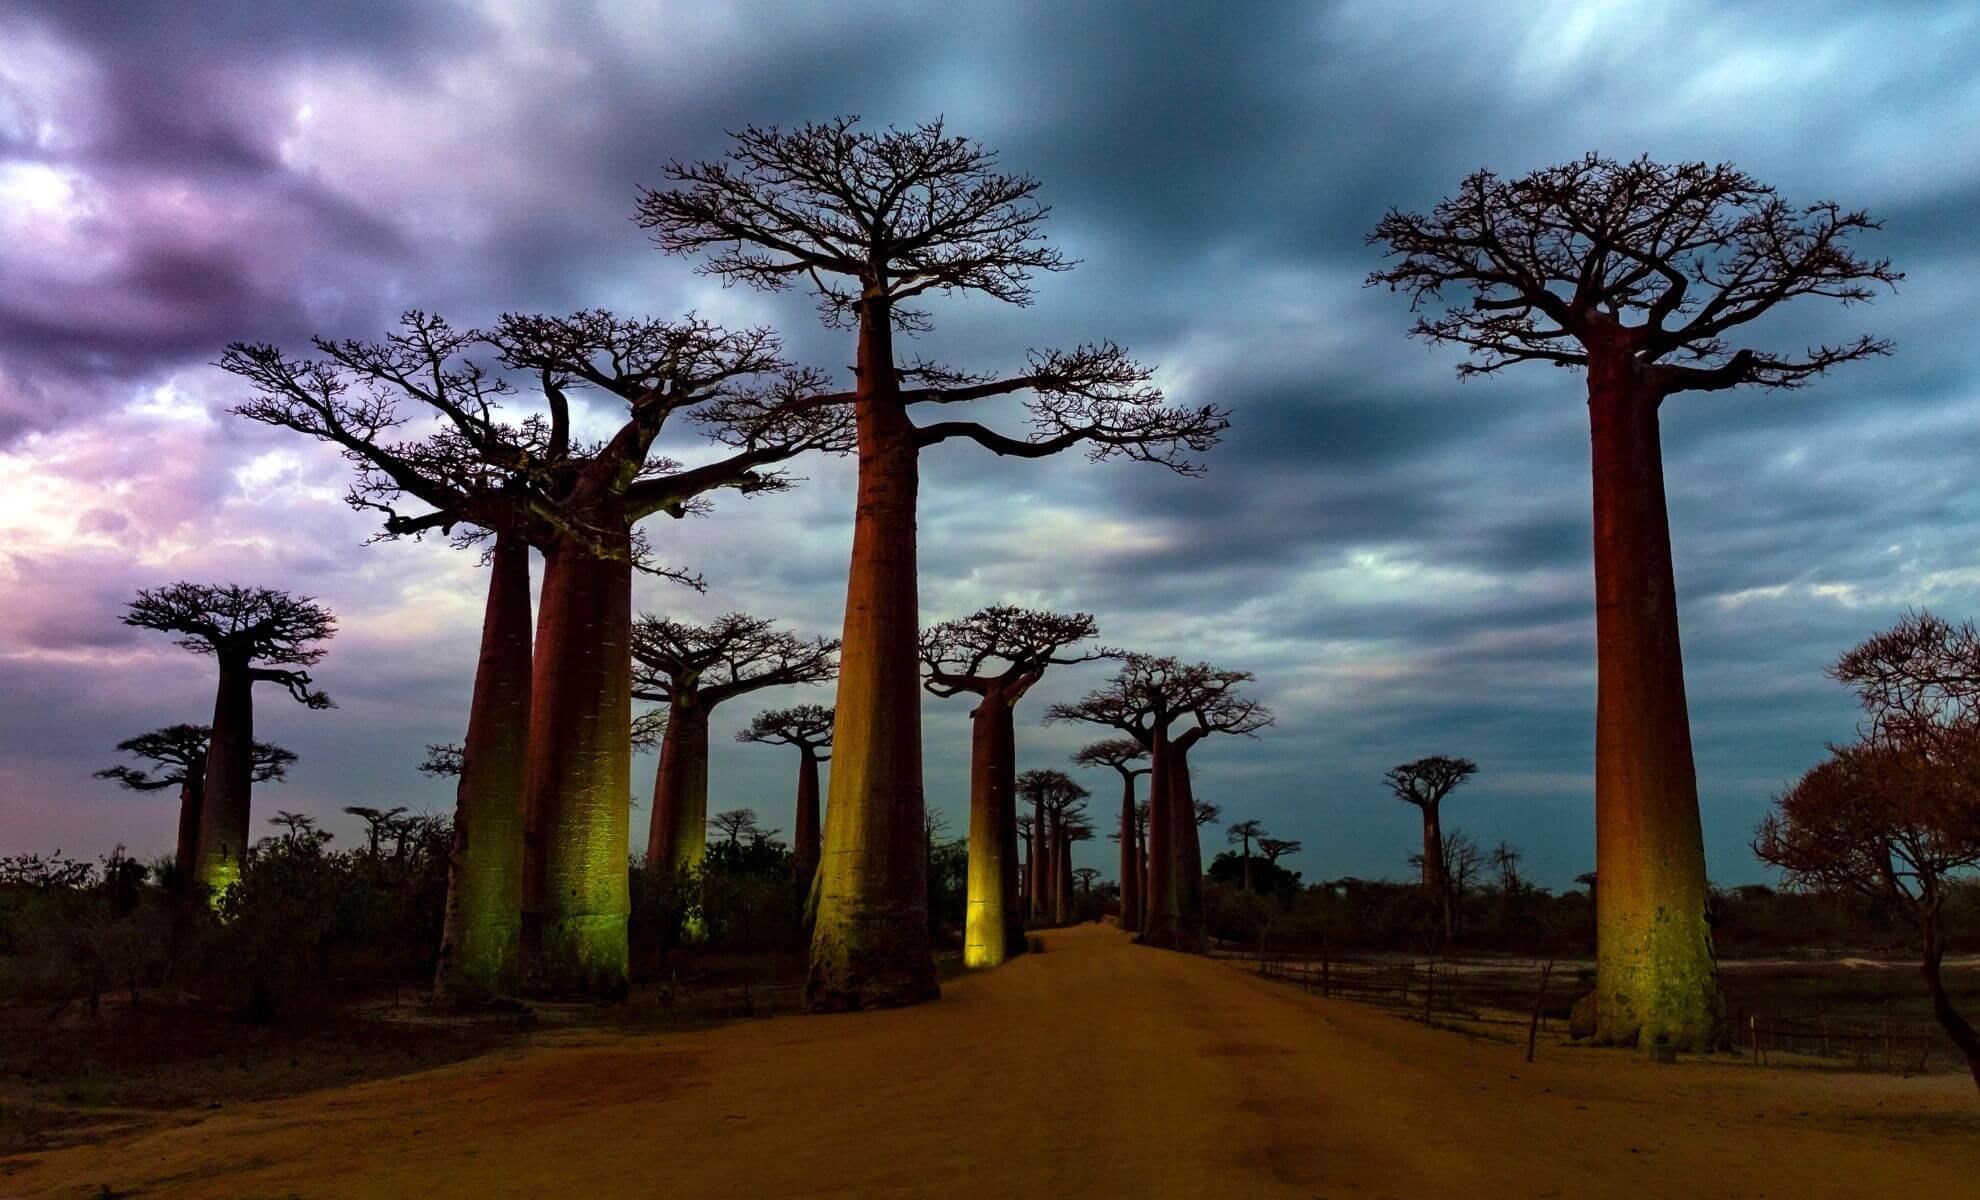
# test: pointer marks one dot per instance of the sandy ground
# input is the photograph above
(1094, 1069)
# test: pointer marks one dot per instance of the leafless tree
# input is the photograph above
(178, 757)
(874, 221)
(1242, 834)
(255, 635)
(738, 823)
(1424, 782)
(1122, 754)
(1146, 700)
(1639, 274)
(809, 728)
(997, 654)
(691, 669)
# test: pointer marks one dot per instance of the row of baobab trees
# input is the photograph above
(1635, 273)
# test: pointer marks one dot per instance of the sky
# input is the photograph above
(1401, 558)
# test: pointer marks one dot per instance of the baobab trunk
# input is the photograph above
(804, 838)
(1187, 877)
(580, 768)
(481, 934)
(187, 850)
(870, 946)
(1130, 859)
(678, 836)
(1034, 865)
(992, 816)
(1062, 888)
(1655, 971)
(1159, 901)
(1436, 879)
(229, 776)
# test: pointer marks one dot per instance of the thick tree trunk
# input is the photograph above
(992, 818)
(870, 946)
(1130, 859)
(678, 836)
(224, 792)
(580, 767)
(1187, 873)
(1956, 1026)
(804, 838)
(1062, 889)
(1141, 846)
(186, 853)
(1247, 864)
(481, 935)
(1436, 879)
(1655, 972)
(1041, 844)
(1159, 901)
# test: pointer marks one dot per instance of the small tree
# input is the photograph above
(1275, 849)
(178, 757)
(1424, 782)
(873, 221)
(255, 635)
(1242, 834)
(1121, 754)
(692, 669)
(378, 824)
(809, 728)
(737, 824)
(1058, 802)
(1086, 876)
(997, 654)
(1636, 273)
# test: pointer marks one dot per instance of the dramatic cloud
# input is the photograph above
(1403, 560)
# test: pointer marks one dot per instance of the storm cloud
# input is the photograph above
(1402, 559)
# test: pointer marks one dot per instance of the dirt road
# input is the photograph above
(1096, 1069)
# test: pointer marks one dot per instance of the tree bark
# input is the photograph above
(1062, 890)
(678, 835)
(1956, 1026)
(870, 946)
(580, 765)
(992, 823)
(186, 853)
(481, 934)
(804, 838)
(1159, 901)
(1436, 878)
(1655, 971)
(1187, 873)
(229, 777)
(1041, 845)
(1130, 858)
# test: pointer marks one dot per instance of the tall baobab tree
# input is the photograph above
(1638, 273)
(1274, 849)
(1121, 754)
(530, 483)
(873, 221)
(1027, 827)
(1424, 782)
(378, 823)
(739, 823)
(809, 728)
(1242, 834)
(1073, 828)
(177, 754)
(255, 635)
(1087, 876)
(1146, 700)
(996, 654)
(691, 669)
(1057, 801)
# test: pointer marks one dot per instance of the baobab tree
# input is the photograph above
(691, 669)
(1638, 273)
(996, 654)
(739, 823)
(1027, 827)
(1145, 700)
(378, 822)
(1424, 782)
(1087, 876)
(531, 483)
(177, 754)
(255, 635)
(809, 728)
(1057, 800)
(1275, 849)
(1121, 754)
(1072, 829)
(1242, 834)
(873, 221)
